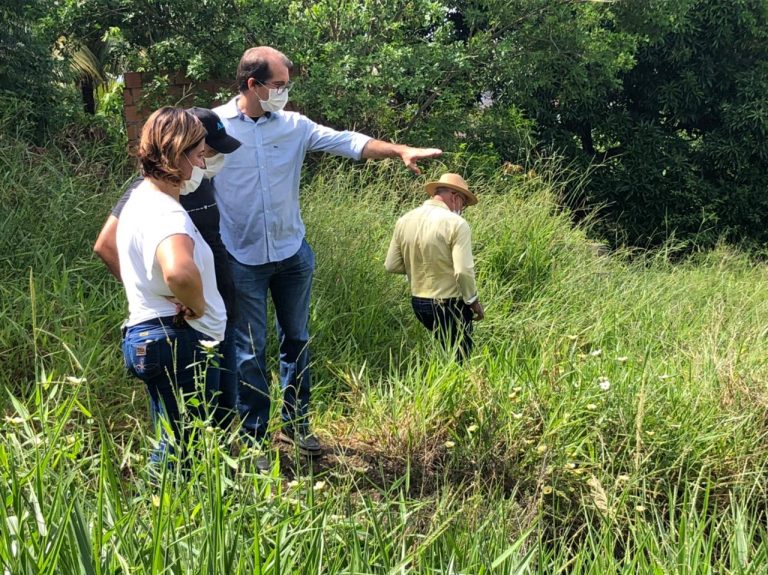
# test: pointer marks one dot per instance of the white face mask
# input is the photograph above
(276, 101)
(213, 165)
(190, 185)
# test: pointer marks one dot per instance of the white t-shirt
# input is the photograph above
(149, 217)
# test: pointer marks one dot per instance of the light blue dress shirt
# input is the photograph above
(257, 189)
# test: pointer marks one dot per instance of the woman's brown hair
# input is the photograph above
(168, 134)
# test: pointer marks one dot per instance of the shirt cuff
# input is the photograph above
(358, 143)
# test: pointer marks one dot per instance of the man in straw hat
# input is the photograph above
(432, 245)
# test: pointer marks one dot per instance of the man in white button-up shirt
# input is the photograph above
(261, 225)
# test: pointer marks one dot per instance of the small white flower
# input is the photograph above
(319, 486)
(591, 406)
(541, 449)
(596, 352)
(209, 343)
(622, 359)
(450, 444)
(472, 428)
(604, 383)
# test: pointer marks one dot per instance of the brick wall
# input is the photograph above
(181, 91)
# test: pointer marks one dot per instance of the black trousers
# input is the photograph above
(450, 320)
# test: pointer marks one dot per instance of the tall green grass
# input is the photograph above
(611, 420)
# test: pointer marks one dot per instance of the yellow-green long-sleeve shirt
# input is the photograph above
(433, 247)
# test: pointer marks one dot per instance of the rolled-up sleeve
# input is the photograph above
(324, 139)
(463, 264)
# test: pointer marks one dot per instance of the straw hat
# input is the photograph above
(454, 182)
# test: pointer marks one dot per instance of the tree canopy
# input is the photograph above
(664, 104)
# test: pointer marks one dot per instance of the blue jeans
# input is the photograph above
(450, 320)
(172, 364)
(289, 282)
(226, 404)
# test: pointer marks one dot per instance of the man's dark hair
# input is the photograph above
(255, 64)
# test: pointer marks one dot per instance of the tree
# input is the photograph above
(27, 72)
(668, 98)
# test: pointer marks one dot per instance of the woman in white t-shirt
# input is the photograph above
(166, 265)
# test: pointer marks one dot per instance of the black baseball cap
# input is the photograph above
(217, 137)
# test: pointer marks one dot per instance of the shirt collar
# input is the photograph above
(436, 203)
(231, 110)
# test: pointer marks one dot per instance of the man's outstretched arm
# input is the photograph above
(379, 149)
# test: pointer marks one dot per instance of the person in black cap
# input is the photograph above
(198, 199)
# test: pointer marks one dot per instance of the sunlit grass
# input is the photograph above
(611, 420)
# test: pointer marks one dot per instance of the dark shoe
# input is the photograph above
(256, 459)
(262, 464)
(305, 441)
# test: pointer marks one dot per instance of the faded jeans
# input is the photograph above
(289, 283)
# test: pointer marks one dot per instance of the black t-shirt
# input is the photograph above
(202, 209)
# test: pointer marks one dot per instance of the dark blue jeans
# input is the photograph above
(173, 365)
(289, 282)
(450, 320)
(226, 404)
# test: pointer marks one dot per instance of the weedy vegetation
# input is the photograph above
(612, 419)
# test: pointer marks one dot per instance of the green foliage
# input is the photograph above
(612, 419)
(670, 99)
(28, 74)
(663, 105)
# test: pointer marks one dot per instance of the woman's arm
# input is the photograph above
(175, 257)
